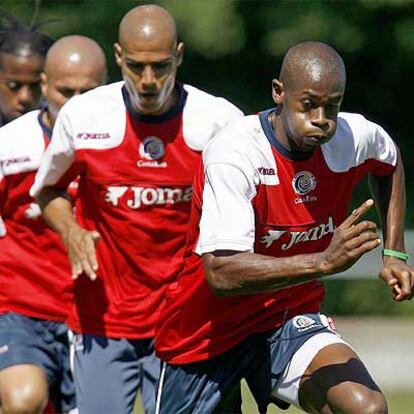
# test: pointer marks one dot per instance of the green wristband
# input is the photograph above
(394, 253)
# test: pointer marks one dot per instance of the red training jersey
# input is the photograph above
(135, 189)
(35, 277)
(251, 194)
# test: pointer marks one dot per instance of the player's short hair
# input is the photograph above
(16, 37)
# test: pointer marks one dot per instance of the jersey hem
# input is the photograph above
(225, 245)
(34, 315)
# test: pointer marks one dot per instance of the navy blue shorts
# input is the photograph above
(110, 372)
(199, 388)
(25, 340)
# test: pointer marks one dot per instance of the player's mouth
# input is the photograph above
(316, 140)
(148, 96)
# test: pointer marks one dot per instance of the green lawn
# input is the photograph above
(398, 403)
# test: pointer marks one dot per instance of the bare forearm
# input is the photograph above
(237, 273)
(247, 273)
(57, 210)
(389, 193)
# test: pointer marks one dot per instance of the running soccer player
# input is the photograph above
(22, 53)
(35, 275)
(135, 145)
(269, 219)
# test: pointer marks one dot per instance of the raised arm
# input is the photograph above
(234, 273)
(389, 193)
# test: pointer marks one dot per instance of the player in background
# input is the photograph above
(269, 219)
(135, 145)
(35, 275)
(22, 54)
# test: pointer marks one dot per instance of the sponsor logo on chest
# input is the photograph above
(303, 183)
(295, 237)
(151, 149)
(135, 197)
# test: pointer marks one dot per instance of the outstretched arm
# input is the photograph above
(389, 193)
(57, 211)
(235, 273)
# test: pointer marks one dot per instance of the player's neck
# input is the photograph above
(276, 124)
(47, 119)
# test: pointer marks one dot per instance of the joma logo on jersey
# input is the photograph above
(266, 171)
(18, 160)
(314, 233)
(93, 135)
(137, 196)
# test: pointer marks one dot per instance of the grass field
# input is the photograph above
(398, 403)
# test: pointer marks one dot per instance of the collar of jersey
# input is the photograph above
(46, 130)
(275, 143)
(156, 119)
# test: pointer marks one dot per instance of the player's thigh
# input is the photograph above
(266, 376)
(336, 380)
(106, 373)
(24, 361)
(23, 388)
(211, 386)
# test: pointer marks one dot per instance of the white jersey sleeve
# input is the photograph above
(356, 141)
(58, 157)
(227, 219)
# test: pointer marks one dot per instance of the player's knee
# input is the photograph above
(365, 402)
(23, 400)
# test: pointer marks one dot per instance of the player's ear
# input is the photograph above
(278, 91)
(180, 53)
(118, 54)
(43, 84)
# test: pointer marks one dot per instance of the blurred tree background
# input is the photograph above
(234, 48)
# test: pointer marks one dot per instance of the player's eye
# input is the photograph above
(66, 92)
(306, 104)
(135, 67)
(13, 86)
(160, 66)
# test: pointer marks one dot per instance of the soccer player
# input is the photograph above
(35, 275)
(269, 219)
(135, 145)
(22, 53)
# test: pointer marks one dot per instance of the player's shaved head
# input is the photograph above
(146, 24)
(149, 54)
(74, 64)
(312, 61)
(73, 53)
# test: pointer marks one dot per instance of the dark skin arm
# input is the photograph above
(57, 211)
(389, 194)
(234, 273)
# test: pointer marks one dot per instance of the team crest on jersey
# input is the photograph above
(304, 182)
(303, 323)
(152, 148)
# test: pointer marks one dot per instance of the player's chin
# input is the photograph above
(148, 106)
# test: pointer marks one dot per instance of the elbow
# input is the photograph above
(223, 274)
(218, 284)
